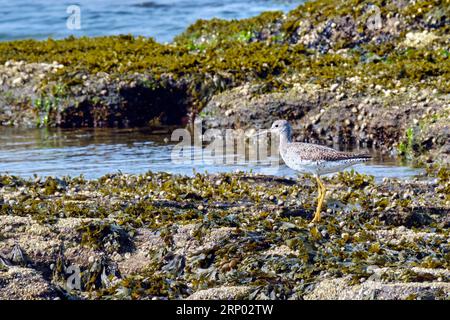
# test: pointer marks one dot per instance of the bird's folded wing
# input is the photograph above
(314, 152)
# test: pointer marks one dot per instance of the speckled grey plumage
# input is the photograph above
(312, 158)
(314, 152)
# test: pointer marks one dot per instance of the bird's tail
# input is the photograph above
(362, 156)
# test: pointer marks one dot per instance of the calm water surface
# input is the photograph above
(96, 152)
(161, 19)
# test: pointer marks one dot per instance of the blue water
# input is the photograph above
(96, 152)
(161, 19)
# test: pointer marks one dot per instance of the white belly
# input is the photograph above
(318, 167)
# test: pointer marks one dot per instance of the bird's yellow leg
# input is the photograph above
(320, 199)
(324, 192)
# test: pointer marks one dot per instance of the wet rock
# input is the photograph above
(222, 293)
(413, 218)
(255, 110)
(419, 39)
(25, 283)
(341, 289)
(374, 125)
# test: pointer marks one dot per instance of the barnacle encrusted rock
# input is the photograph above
(341, 289)
(222, 293)
(25, 283)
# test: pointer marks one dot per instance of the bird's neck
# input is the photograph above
(285, 138)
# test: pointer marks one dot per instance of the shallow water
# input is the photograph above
(161, 19)
(96, 152)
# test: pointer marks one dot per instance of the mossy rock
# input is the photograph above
(132, 81)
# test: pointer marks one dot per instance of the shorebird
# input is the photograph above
(312, 158)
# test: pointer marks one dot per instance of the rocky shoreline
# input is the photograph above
(340, 71)
(346, 72)
(227, 236)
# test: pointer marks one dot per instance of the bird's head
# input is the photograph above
(281, 127)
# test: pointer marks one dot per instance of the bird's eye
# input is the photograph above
(276, 126)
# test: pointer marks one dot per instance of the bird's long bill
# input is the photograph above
(263, 132)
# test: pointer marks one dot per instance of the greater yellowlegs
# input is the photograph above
(312, 158)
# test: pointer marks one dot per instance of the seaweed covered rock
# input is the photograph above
(162, 236)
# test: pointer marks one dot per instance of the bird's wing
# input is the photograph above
(314, 152)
